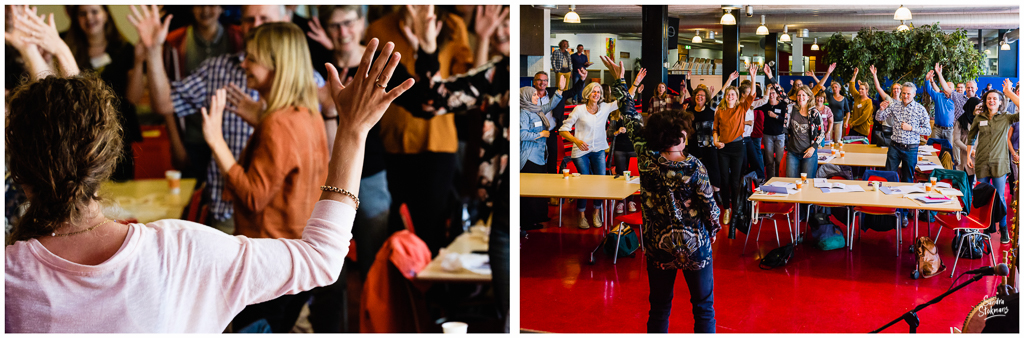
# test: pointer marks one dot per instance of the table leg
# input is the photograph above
(796, 232)
(559, 212)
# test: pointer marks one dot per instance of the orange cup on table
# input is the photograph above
(173, 181)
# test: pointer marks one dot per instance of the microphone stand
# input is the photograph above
(911, 316)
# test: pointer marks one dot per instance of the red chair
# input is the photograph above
(633, 167)
(768, 210)
(634, 221)
(973, 224)
(882, 211)
(196, 210)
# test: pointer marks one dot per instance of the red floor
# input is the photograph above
(817, 292)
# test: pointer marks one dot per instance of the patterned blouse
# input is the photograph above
(680, 214)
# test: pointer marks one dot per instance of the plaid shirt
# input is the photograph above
(194, 92)
(913, 114)
(560, 61)
(959, 100)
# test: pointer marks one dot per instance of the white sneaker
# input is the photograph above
(582, 221)
(632, 206)
(618, 208)
(597, 218)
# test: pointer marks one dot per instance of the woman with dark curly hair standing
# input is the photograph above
(680, 215)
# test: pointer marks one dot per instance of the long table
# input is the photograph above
(868, 155)
(867, 198)
(463, 244)
(593, 187)
(148, 200)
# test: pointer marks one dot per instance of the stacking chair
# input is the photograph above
(767, 210)
(977, 220)
(883, 176)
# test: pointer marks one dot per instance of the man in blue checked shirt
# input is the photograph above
(944, 110)
(909, 120)
(185, 97)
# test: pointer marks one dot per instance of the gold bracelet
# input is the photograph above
(341, 191)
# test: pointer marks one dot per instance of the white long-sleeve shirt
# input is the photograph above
(171, 276)
(590, 128)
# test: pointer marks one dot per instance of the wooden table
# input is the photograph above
(148, 200)
(868, 155)
(594, 187)
(868, 198)
(465, 243)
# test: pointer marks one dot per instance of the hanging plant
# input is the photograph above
(905, 56)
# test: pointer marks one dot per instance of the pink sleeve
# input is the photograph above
(264, 269)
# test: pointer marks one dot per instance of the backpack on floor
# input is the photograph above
(626, 238)
(929, 264)
(777, 257)
(741, 216)
(974, 248)
(828, 235)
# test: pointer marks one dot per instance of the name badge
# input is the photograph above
(778, 111)
(537, 124)
(859, 105)
(983, 123)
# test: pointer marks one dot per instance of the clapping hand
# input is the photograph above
(243, 105)
(213, 119)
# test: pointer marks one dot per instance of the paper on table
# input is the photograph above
(927, 166)
(635, 180)
(821, 183)
(476, 263)
(825, 158)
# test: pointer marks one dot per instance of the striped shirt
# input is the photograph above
(194, 92)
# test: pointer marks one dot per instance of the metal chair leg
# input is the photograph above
(776, 223)
(957, 254)
(615, 255)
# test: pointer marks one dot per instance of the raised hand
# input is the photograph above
(735, 75)
(831, 68)
(808, 73)
(423, 30)
(640, 76)
(213, 119)
(583, 73)
(362, 103)
(36, 31)
(938, 68)
(318, 34)
(930, 75)
(767, 71)
(855, 71)
(617, 70)
(874, 71)
(488, 18)
(640, 89)
(146, 20)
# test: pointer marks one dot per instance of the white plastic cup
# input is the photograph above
(628, 174)
(455, 328)
(565, 173)
(803, 176)
(173, 181)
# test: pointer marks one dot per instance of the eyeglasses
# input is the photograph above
(347, 24)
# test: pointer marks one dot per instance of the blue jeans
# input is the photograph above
(797, 164)
(589, 164)
(774, 148)
(579, 93)
(701, 284)
(902, 154)
(1000, 184)
(370, 228)
(754, 158)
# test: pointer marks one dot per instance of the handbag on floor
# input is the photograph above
(929, 264)
(974, 248)
(828, 235)
(777, 257)
(626, 239)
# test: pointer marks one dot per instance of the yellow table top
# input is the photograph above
(868, 155)
(595, 187)
(465, 243)
(146, 200)
(811, 195)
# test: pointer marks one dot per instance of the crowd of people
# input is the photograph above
(259, 113)
(693, 148)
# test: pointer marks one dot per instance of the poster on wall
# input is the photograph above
(610, 47)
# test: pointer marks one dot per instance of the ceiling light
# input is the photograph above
(1005, 46)
(696, 37)
(902, 13)
(988, 51)
(785, 34)
(571, 17)
(727, 18)
(806, 33)
(750, 11)
(711, 35)
(903, 27)
(815, 45)
(762, 30)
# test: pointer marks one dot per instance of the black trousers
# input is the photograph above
(552, 166)
(423, 182)
(731, 159)
(532, 209)
(709, 157)
(281, 313)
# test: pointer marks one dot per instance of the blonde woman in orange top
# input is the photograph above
(275, 183)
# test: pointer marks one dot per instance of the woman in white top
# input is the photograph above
(589, 141)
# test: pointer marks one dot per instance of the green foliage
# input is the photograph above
(905, 56)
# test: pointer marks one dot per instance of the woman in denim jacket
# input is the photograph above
(533, 134)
